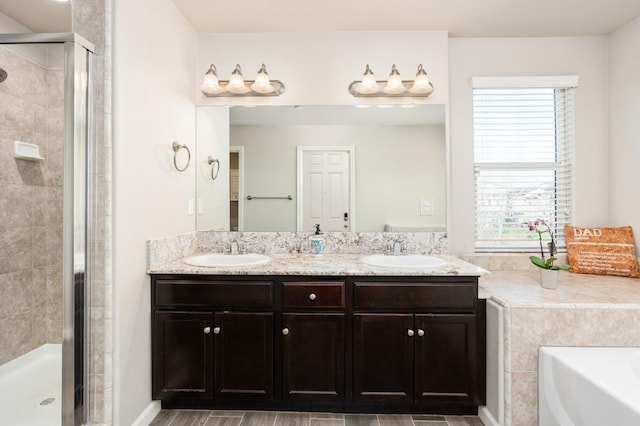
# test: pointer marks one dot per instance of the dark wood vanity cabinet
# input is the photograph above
(406, 358)
(243, 355)
(313, 341)
(402, 356)
(212, 339)
(182, 355)
(354, 344)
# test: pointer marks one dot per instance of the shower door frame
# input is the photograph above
(77, 171)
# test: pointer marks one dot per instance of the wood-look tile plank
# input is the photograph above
(395, 420)
(327, 416)
(164, 418)
(226, 413)
(326, 422)
(190, 418)
(361, 420)
(258, 418)
(429, 417)
(292, 419)
(223, 421)
(464, 421)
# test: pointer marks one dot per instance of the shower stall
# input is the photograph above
(45, 144)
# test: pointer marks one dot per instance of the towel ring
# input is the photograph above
(177, 147)
(213, 162)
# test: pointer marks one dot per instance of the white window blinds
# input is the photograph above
(523, 158)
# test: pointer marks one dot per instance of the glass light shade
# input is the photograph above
(262, 84)
(394, 84)
(236, 82)
(210, 83)
(421, 84)
(369, 84)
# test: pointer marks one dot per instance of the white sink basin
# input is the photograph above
(219, 260)
(403, 261)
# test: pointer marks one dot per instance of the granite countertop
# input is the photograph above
(325, 265)
(521, 289)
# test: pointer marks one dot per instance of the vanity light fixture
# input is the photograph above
(238, 86)
(394, 86)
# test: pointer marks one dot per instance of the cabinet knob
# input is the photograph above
(285, 331)
(216, 330)
(312, 296)
(410, 333)
(420, 332)
(207, 330)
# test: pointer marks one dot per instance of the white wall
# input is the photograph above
(395, 166)
(154, 52)
(583, 56)
(317, 68)
(624, 127)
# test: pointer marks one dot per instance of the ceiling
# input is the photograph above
(461, 18)
(41, 16)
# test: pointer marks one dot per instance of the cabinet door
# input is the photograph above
(313, 356)
(445, 358)
(182, 355)
(383, 357)
(244, 355)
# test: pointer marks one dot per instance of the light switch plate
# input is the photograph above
(426, 207)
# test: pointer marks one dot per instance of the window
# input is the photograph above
(523, 157)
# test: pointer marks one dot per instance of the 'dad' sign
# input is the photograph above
(602, 251)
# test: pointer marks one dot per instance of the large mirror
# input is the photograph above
(286, 168)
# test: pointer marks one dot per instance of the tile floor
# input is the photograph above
(270, 418)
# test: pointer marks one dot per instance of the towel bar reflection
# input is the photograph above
(215, 167)
(177, 147)
(250, 197)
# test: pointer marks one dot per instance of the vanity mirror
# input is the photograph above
(285, 168)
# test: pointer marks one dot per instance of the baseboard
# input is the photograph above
(148, 414)
(486, 417)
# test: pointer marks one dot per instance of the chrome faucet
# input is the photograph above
(398, 248)
(395, 248)
(233, 247)
(236, 248)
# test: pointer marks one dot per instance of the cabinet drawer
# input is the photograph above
(214, 294)
(417, 296)
(313, 294)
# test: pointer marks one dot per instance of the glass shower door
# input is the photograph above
(43, 179)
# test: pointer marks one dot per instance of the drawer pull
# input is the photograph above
(216, 330)
(420, 332)
(410, 333)
(312, 296)
(285, 331)
(207, 330)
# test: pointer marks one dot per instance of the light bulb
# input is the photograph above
(421, 85)
(394, 84)
(262, 84)
(369, 84)
(210, 83)
(236, 82)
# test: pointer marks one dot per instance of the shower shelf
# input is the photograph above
(27, 151)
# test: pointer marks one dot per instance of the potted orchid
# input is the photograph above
(548, 270)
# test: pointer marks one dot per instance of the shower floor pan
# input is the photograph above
(31, 387)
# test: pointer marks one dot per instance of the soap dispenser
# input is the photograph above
(317, 242)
